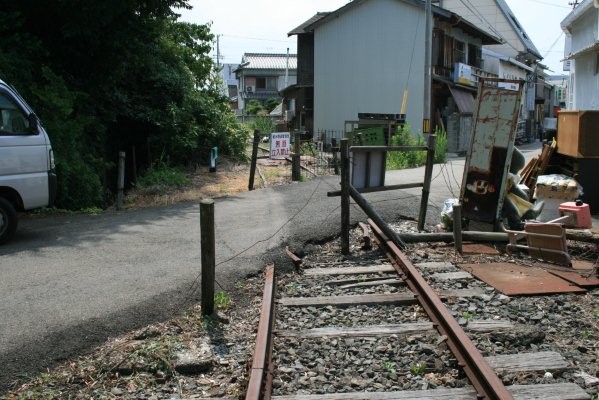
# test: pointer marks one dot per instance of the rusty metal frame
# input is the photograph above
(479, 372)
(260, 382)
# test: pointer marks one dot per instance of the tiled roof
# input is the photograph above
(268, 61)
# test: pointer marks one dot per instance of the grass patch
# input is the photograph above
(161, 176)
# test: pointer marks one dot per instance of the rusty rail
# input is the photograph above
(260, 382)
(479, 372)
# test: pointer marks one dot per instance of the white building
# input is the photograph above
(582, 36)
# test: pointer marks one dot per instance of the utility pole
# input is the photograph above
(218, 50)
(428, 34)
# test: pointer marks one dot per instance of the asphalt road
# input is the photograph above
(70, 282)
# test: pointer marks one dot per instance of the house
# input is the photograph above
(262, 76)
(582, 38)
(363, 57)
(495, 17)
(227, 75)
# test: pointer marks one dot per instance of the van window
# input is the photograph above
(12, 118)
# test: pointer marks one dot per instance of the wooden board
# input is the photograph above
(449, 276)
(482, 326)
(384, 268)
(366, 299)
(528, 362)
(554, 391)
(395, 298)
(360, 331)
(432, 265)
(488, 325)
(392, 282)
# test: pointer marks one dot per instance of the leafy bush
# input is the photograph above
(440, 146)
(412, 159)
(262, 124)
(161, 176)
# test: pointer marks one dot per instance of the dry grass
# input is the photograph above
(229, 179)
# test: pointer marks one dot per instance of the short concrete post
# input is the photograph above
(208, 255)
(213, 158)
(121, 181)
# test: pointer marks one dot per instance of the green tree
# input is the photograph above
(115, 75)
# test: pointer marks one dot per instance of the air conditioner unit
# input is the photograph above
(249, 89)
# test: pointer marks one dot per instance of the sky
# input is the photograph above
(261, 26)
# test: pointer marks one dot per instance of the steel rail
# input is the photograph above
(260, 382)
(477, 369)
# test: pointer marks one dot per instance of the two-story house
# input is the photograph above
(364, 56)
(582, 38)
(262, 76)
(496, 17)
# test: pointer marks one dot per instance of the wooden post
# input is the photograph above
(134, 164)
(254, 159)
(121, 180)
(334, 150)
(208, 255)
(428, 173)
(345, 196)
(457, 227)
(295, 164)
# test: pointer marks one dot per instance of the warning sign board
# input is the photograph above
(279, 144)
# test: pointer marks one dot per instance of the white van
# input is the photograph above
(27, 175)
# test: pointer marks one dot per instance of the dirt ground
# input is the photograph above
(228, 179)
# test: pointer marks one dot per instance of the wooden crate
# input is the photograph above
(578, 133)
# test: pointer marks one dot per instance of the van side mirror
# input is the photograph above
(33, 123)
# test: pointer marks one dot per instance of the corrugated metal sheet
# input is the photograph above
(269, 61)
(463, 99)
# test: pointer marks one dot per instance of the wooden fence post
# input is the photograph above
(121, 181)
(208, 255)
(428, 173)
(254, 159)
(457, 227)
(345, 182)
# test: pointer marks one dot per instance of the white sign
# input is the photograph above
(279, 144)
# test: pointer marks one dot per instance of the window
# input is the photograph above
(596, 63)
(474, 56)
(266, 83)
(12, 118)
(459, 51)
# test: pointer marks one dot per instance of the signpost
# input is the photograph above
(280, 145)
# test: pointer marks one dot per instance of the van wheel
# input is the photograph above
(8, 220)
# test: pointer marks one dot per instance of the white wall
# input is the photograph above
(586, 83)
(585, 32)
(365, 59)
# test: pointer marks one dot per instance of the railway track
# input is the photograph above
(375, 328)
